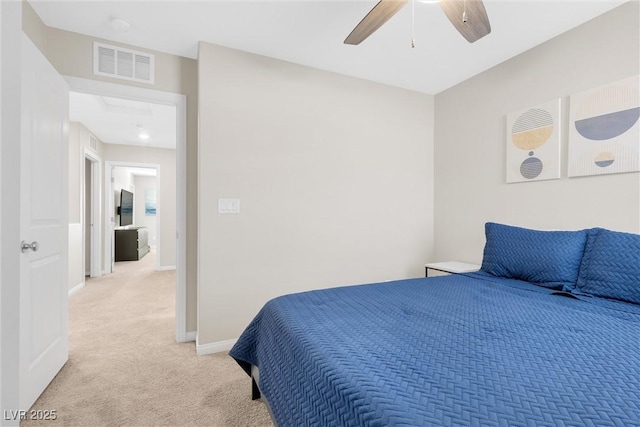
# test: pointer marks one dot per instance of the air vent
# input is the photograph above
(93, 142)
(121, 63)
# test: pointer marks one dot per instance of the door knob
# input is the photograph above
(24, 246)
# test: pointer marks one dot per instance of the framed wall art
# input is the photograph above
(604, 132)
(150, 202)
(533, 143)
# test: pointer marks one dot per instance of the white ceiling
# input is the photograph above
(138, 171)
(311, 33)
(121, 121)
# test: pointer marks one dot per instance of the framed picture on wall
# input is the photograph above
(533, 143)
(150, 202)
(604, 130)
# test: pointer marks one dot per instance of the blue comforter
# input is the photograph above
(468, 350)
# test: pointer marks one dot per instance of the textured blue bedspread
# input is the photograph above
(456, 350)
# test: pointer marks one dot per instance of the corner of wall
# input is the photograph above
(33, 27)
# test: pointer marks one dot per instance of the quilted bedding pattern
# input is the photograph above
(455, 350)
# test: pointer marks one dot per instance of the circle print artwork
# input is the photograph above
(531, 168)
(608, 113)
(607, 157)
(532, 129)
(604, 159)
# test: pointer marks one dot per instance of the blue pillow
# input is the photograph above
(547, 258)
(611, 266)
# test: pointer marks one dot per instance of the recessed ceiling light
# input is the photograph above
(143, 135)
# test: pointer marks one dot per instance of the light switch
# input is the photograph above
(229, 206)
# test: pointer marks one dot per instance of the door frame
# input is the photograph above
(10, 147)
(95, 87)
(95, 261)
(110, 206)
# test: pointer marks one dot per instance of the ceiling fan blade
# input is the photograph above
(376, 17)
(475, 23)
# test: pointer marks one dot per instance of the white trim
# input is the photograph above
(76, 288)
(214, 347)
(10, 143)
(191, 336)
(180, 101)
(109, 217)
(166, 268)
(181, 220)
(1, 193)
(95, 266)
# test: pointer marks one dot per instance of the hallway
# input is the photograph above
(125, 367)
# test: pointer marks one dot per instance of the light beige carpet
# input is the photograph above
(125, 368)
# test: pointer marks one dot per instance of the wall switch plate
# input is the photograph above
(229, 206)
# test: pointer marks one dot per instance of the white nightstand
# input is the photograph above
(450, 267)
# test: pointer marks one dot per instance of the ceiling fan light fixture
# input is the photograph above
(474, 11)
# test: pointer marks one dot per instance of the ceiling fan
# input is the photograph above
(468, 16)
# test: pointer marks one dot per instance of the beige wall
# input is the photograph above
(334, 177)
(470, 141)
(71, 54)
(166, 194)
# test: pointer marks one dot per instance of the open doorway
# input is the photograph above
(135, 139)
(134, 197)
(119, 97)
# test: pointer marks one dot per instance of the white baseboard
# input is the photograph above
(166, 268)
(186, 337)
(76, 288)
(215, 347)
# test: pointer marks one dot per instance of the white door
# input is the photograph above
(43, 220)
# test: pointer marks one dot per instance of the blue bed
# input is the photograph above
(469, 350)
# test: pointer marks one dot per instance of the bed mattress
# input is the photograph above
(470, 350)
